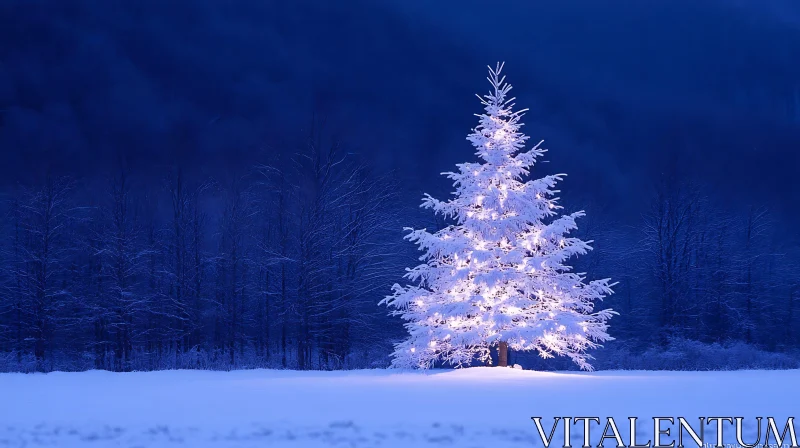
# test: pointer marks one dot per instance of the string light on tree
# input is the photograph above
(473, 290)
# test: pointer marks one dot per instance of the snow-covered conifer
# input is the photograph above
(498, 276)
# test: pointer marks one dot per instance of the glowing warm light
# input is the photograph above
(478, 271)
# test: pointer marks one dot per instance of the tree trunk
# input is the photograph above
(502, 354)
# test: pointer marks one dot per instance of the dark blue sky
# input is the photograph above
(618, 89)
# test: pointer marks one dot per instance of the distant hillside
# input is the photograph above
(616, 88)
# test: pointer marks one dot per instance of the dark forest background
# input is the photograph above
(208, 184)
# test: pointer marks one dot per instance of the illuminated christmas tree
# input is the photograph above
(498, 276)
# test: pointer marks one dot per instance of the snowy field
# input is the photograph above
(479, 407)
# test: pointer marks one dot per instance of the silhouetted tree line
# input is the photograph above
(700, 284)
(280, 267)
(283, 266)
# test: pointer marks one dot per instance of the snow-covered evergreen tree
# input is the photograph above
(499, 275)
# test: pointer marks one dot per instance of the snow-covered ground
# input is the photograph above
(478, 407)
